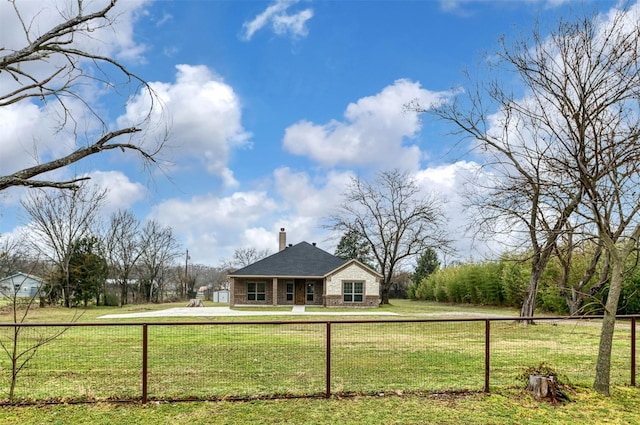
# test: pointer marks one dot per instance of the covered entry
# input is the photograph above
(300, 292)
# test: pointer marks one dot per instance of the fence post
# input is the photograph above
(144, 363)
(327, 393)
(633, 351)
(487, 356)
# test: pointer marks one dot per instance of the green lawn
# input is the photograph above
(248, 359)
(404, 308)
(507, 407)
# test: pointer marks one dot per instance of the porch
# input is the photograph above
(278, 291)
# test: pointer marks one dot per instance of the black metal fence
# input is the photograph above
(231, 360)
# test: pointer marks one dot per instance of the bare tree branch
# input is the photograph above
(63, 71)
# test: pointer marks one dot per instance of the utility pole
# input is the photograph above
(186, 266)
(186, 274)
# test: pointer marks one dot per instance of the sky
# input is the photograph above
(273, 107)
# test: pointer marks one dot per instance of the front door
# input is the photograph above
(300, 293)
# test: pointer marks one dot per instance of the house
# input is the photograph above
(304, 274)
(20, 285)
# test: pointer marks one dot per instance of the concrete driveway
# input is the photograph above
(227, 312)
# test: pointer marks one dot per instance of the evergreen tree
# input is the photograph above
(353, 245)
(87, 270)
(427, 264)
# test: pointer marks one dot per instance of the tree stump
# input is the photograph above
(540, 386)
(195, 302)
(544, 387)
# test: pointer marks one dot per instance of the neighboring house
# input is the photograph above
(304, 274)
(21, 285)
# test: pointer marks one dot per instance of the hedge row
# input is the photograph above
(504, 283)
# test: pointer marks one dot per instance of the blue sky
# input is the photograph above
(275, 105)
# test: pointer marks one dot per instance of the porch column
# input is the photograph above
(275, 291)
(232, 292)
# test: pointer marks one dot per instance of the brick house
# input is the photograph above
(304, 274)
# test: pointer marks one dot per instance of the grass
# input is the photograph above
(421, 308)
(254, 359)
(503, 407)
(404, 308)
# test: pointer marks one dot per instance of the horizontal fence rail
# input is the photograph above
(265, 359)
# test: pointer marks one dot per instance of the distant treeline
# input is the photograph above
(504, 283)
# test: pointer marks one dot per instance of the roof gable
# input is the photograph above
(300, 260)
(23, 277)
(357, 264)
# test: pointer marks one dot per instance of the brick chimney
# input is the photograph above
(282, 239)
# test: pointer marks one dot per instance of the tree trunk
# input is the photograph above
(574, 302)
(541, 386)
(544, 387)
(529, 304)
(123, 292)
(67, 297)
(384, 293)
(194, 302)
(603, 365)
(14, 359)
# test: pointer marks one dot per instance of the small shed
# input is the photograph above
(21, 285)
(221, 296)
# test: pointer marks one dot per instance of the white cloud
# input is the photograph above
(292, 24)
(281, 21)
(32, 135)
(449, 182)
(376, 131)
(259, 238)
(307, 201)
(35, 132)
(458, 6)
(310, 197)
(113, 37)
(205, 116)
(123, 193)
(18, 136)
(213, 226)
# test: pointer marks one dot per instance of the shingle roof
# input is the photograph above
(300, 260)
(24, 275)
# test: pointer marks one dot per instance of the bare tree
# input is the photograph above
(159, 252)
(242, 257)
(520, 194)
(58, 220)
(18, 343)
(54, 64)
(577, 126)
(14, 256)
(123, 247)
(396, 221)
(589, 74)
(591, 259)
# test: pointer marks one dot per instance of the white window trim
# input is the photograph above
(353, 292)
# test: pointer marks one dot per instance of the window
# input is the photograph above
(290, 291)
(256, 291)
(352, 292)
(310, 289)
